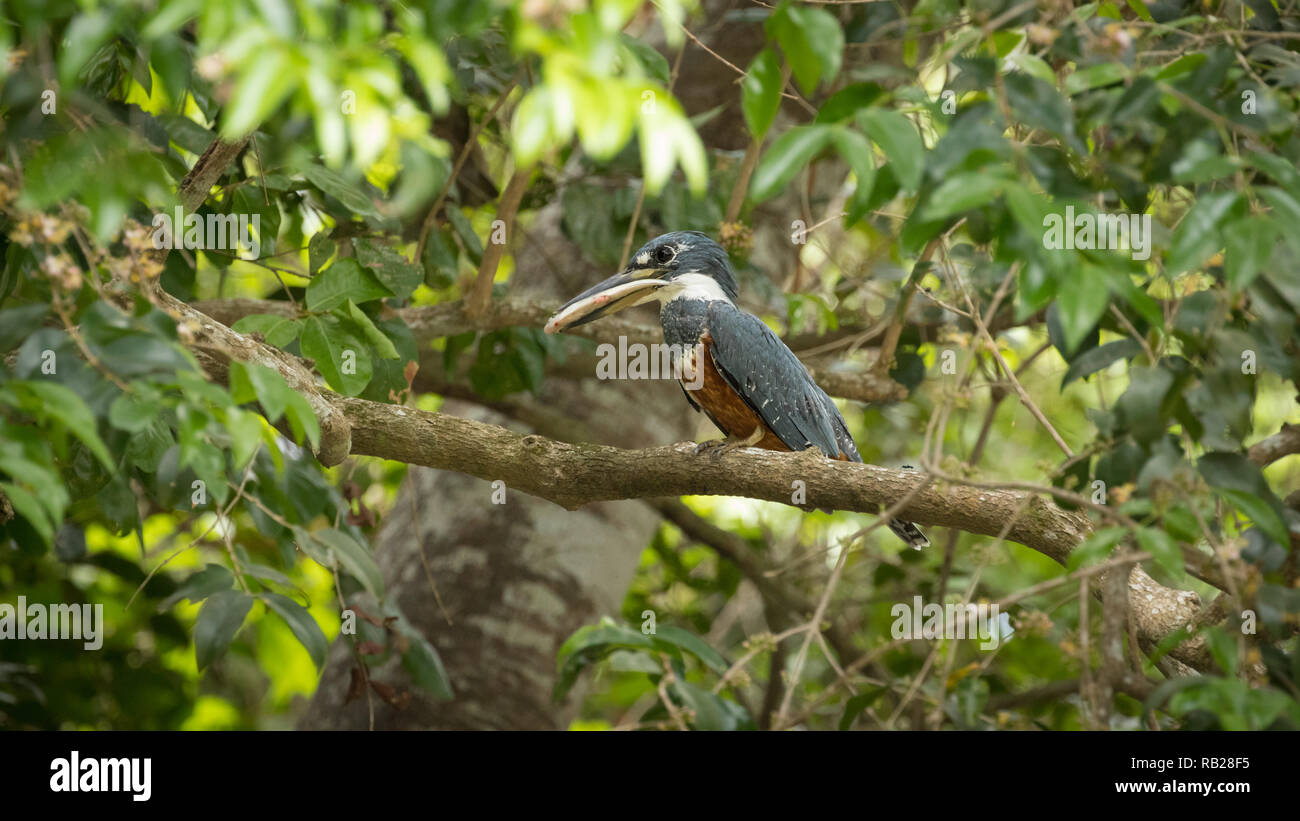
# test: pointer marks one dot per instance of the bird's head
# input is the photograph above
(680, 264)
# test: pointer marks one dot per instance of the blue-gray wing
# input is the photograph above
(772, 380)
(842, 436)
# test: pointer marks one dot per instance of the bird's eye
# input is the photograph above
(664, 255)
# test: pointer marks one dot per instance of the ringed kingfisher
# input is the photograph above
(734, 368)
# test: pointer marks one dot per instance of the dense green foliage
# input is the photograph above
(950, 134)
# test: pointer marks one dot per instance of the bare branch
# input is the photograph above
(1283, 443)
(481, 294)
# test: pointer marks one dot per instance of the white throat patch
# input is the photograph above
(692, 285)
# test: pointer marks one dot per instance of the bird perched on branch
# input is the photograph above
(732, 366)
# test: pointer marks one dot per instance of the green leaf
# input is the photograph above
(27, 506)
(275, 329)
(1094, 548)
(60, 403)
(588, 644)
(855, 150)
(593, 642)
(440, 261)
(968, 700)
(1183, 65)
(898, 139)
(320, 249)
(1202, 161)
(1141, 405)
(1137, 102)
(694, 645)
(431, 66)
(1282, 171)
(961, 193)
(711, 712)
(1198, 236)
(264, 82)
(1162, 548)
(848, 101)
(42, 478)
(131, 413)
(301, 623)
(518, 365)
(211, 579)
(667, 138)
(382, 344)
(340, 189)
(390, 376)
(245, 436)
(250, 382)
(1141, 10)
(1034, 66)
(812, 41)
(220, 618)
(302, 419)
(139, 354)
(186, 133)
(1039, 105)
(855, 706)
(339, 356)
(18, 323)
(1101, 74)
(345, 279)
(263, 573)
(1080, 302)
(652, 61)
(1095, 359)
(788, 155)
(760, 93)
(1248, 246)
(633, 661)
(354, 557)
(1223, 647)
(1240, 481)
(394, 271)
(1139, 300)
(82, 38)
(1286, 208)
(145, 449)
(1029, 209)
(1165, 689)
(465, 230)
(424, 664)
(533, 130)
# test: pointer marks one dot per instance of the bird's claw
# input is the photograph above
(715, 448)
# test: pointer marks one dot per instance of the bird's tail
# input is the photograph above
(909, 533)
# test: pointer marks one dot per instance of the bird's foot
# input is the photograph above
(716, 448)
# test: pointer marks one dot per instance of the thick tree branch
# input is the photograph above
(219, 344)
(572, 475)
(1283, 443)
(207, 170)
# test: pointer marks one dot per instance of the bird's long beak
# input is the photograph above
(631, 287)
